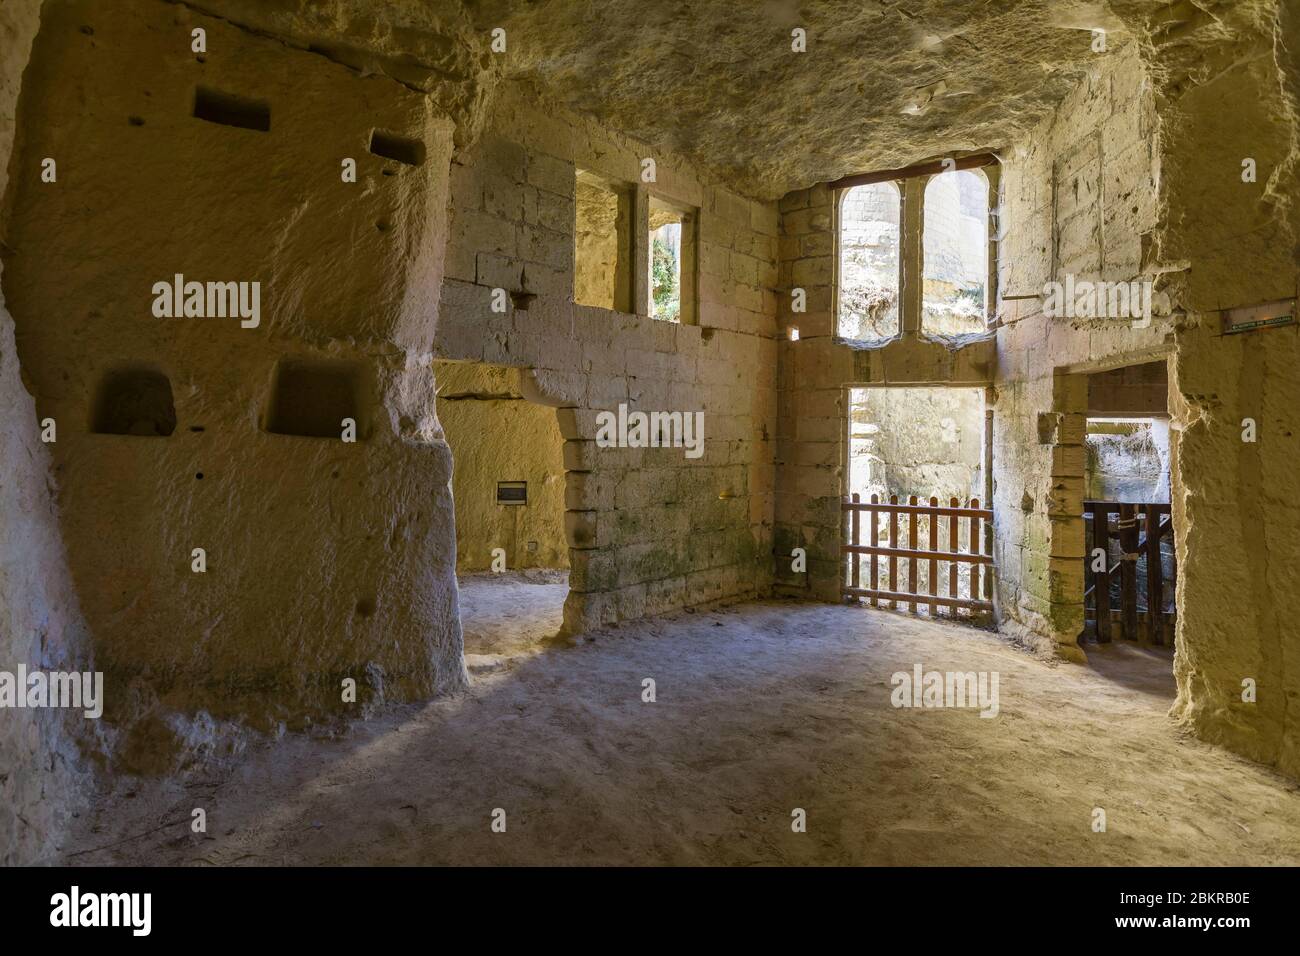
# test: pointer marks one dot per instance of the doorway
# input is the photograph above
(512, 554)
(1130, 567)
(918, 522)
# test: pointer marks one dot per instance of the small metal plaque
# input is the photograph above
(512, 492)
(1254, 317)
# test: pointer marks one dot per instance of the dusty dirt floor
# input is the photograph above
(761, 708)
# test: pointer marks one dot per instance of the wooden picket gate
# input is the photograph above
(1139, 529)
(964, 551)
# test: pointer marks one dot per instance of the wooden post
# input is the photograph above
(913, 565)
(893, 543)
(975, 548)
(953, 546)
(1089, 518)
(933, 589)
(855, 573)
(1155, 578)
(1128, 544)
(875, 541)
(1101, 589)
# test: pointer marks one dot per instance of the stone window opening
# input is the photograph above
(955, 254)
(870, 266)
(671, 251)
(916, 252)
(602, 243)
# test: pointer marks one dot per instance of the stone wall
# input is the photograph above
(1236, 526)
(649, 529)
(1103, 190)
(41, 778)
(1077, 199)
(816, 371)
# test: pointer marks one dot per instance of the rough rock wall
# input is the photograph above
(41, 781)
(1166, 199)
(324, 559)
(429, 47)
(649, 529)
(1228, 92)
(495, 435)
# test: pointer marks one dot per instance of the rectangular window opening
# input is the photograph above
(672, 255)
(602, 243)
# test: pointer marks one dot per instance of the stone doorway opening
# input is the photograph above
(508, 480)
(1130, 569)
(918, 524)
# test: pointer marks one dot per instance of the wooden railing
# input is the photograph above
(1138, 528)
(964, 551)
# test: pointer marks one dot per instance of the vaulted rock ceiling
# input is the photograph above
(882, 82)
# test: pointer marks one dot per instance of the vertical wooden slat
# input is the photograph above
(933, 588)
(875, 541)
(1155, 578)
(1101, 587)
(893, 543)
(1089, 519)
(855, 574)
(1128, 571)
(974, 549)
(913, 565)
(954, 546)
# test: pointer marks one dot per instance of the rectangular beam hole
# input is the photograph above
(229, 109)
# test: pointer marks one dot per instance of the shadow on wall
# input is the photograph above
(508, 470)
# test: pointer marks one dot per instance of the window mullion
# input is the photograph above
(912, 239)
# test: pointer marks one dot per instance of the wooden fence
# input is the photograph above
(1138, 528)
(965, 549)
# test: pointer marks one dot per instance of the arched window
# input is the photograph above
(869, 263)
(956, 254)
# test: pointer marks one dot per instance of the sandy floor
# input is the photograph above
(761, 708)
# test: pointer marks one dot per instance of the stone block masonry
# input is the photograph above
(649, 528)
